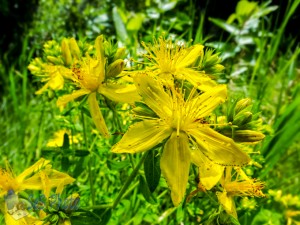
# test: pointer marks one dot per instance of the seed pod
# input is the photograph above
(115, 68)
(242, 118)
(242, 104)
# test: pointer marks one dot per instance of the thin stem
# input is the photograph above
(90, 161)
(129, 180)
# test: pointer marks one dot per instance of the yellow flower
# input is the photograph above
(176, 61)
(182, 122)
(43, 177)
(239, 187)
(209, 172)
(90, 76)
(53, 75)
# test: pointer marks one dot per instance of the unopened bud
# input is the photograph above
(218, 68)
(66, 53)
(247, 136)
(242, 118)
(120, 54)
(54, 60)
(115, 68)
(242, 104)
(75, 51)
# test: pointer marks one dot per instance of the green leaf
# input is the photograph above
(152, 170)
(81, 153)
(136, 22)
(114, 165)
(106, 216)
(65, 163)
(228, 27)
(267, 217)
(66, 143)
(79, 168)
(85, 218)
(119, 25)
(144, 189)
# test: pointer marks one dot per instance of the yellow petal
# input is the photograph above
(120, 93)
(142, 136)
(44, 88)
(204, 104)
(154, 95)
(63, 100)
(57, 81)
(227, 203)
(34, 168)
(97, 115)
(46, 180)
(100, 57)
(218, 148)
(200, 80)
(209, 172)
(192, 54)
(175, 165)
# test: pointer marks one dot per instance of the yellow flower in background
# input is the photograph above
(90, 76)
(171, 61)
(181, 122)
(52, 75)
(39, 176)
(58, 138)
(241, 186)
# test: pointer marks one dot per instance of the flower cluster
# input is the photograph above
(39, 176)
(174, 99)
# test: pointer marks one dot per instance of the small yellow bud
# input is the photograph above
(242, 118)
(66, 53)
(115, 68)
(218, 68)
(120, 54)
(54, 60)
(33, 68)
(242, 104)
(75, 51)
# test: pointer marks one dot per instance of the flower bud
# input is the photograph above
(242, 118)
(55, 60)
(120, 54)
(75, 51)
(248, 136)
(66, 53)
(115, 68)
(242, 104)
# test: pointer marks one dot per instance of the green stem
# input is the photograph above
(129, 180)
(90, 161)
